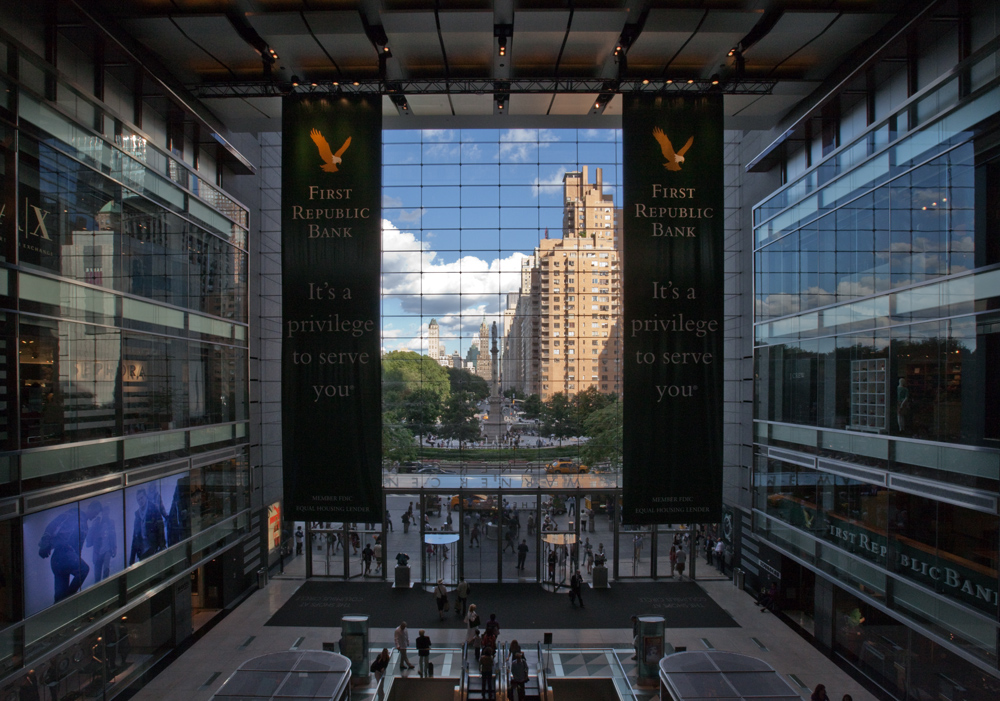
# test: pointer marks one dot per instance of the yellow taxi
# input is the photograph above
(562, 466)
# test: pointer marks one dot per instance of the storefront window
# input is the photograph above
(928, 362)
(947, 548)
(67, 208)
(217, 492)
(68, 375)
(908, 384)
(155, 384)
(901, 660)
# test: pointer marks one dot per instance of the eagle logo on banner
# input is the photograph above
(330, 159)
(674, 159)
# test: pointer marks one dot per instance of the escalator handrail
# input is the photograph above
(502, 654)
(543, 681)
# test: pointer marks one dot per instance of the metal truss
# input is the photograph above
(482, 86)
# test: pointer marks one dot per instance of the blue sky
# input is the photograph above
(461, 209)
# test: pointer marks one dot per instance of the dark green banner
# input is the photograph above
(331, 233)
(673, 308)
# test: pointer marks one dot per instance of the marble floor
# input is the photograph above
(242, 635)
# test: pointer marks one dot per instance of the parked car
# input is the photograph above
(432, 470)
(562, 466)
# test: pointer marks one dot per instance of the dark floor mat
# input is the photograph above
(682, 604)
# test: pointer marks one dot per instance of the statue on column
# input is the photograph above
(495, 384)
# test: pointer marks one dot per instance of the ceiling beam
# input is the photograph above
(482, 86)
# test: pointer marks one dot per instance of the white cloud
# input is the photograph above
(599, 134)
(554, 180)
(437, 134)
(459, 293)
(519, 145)
(445, 153)
(410, 216)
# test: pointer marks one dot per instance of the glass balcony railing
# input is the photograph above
(923, 127)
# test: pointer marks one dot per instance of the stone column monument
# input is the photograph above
(494, 427)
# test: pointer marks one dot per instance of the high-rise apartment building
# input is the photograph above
(484, 360)
(565, 333)
(435, 349)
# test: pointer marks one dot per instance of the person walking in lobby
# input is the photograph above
(441, 596)
(423, 653)
(401, 639)
(576, 588)
(461, 597)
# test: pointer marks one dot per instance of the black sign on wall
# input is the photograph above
(673, 308)
(331, 229)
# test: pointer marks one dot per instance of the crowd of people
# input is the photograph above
(482, 644)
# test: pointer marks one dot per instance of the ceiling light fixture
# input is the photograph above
(601, 103)
(502, 32)
(401, 106)
(295, 81)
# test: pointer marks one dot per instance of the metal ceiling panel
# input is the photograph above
(538, 36)
(428, 105)
(413, 39)
(767, 106)
(823, 55)
(213, 48)
(534, 103)
(472, 104)
(592, 40)
(792, 31)
(663, 35)
(573, 104)
(247, 115)
(162, 37)
(468, 40)
(340, 33)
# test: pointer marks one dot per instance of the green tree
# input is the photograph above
(404, 372)
(559, 417)
(590, 400)
(514, 393)
(604, 429)
(532, 407)
(421, 409)
(459, 420)
(465, 381)
(397, 441)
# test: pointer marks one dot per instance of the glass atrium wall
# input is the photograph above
(877, 463)
(124, 460)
